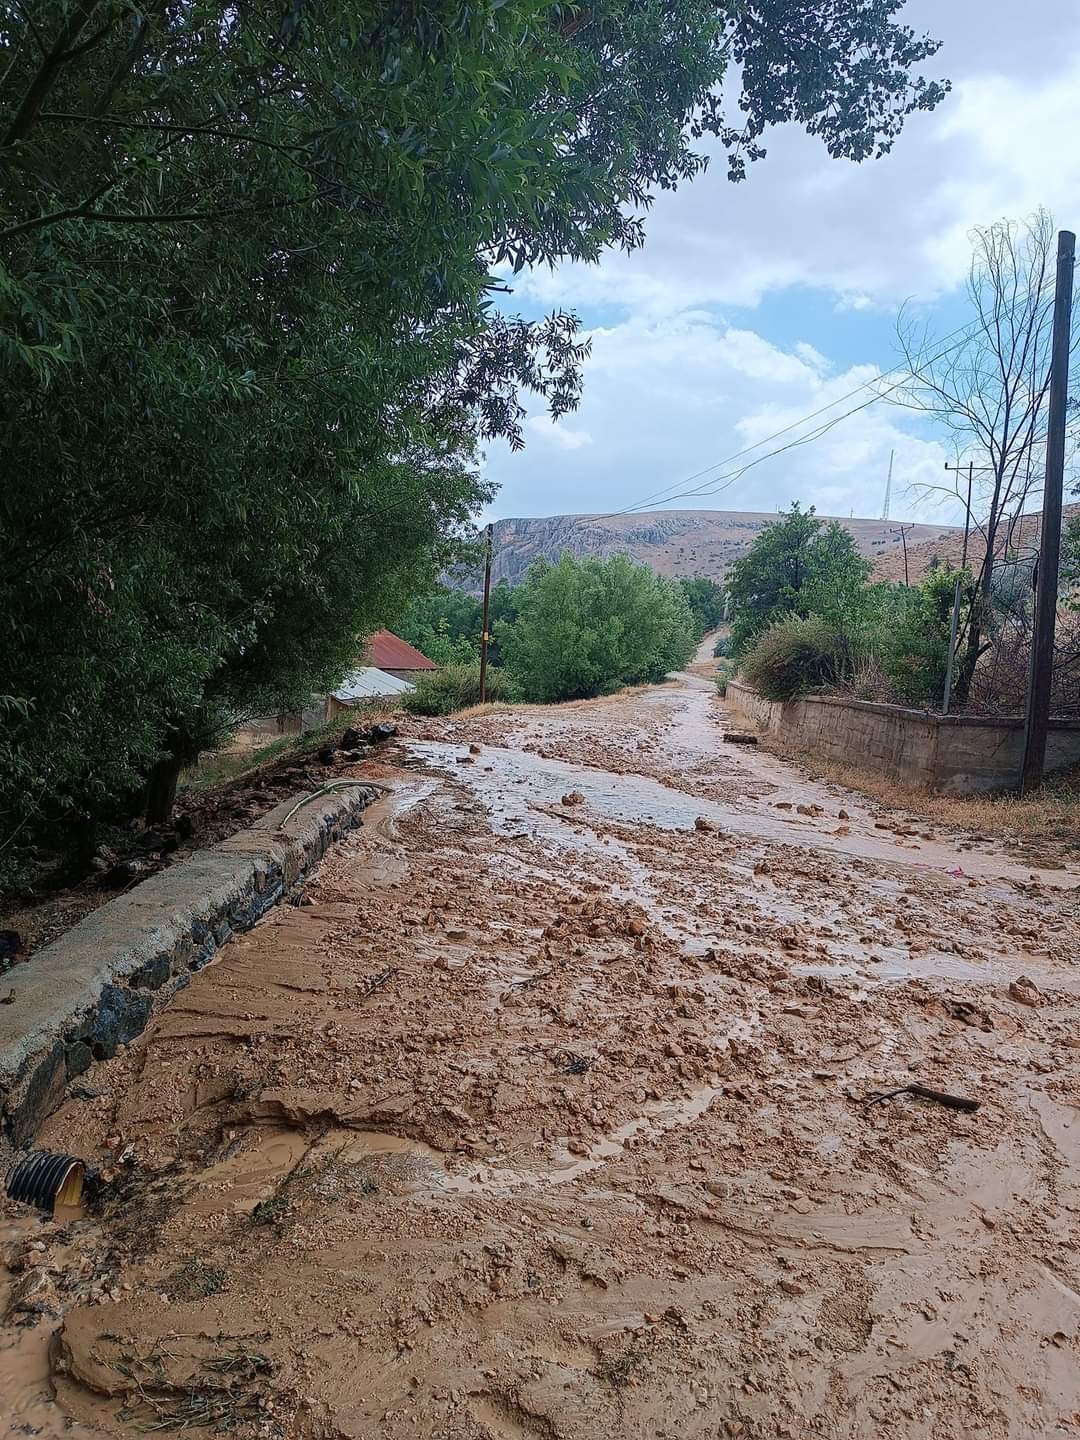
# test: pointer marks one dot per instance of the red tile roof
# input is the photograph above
(390, 652)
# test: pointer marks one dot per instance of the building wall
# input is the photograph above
(959, 754)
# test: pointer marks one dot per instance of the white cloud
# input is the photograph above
(672, 395)
(672, 385)
(559, 436)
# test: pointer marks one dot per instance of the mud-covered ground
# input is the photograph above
(546, 1118)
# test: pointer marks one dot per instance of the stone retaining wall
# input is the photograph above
(82, 997)
(960, 754)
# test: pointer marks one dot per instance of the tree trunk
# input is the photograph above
(84, 833)
(161, 790)
(981, 608)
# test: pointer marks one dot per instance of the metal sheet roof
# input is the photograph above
(370, 683)
(390, 652)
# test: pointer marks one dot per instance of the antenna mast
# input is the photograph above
(888, 489)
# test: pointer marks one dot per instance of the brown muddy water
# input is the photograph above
(546, 1119)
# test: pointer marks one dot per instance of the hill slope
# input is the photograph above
(1022, 538)
(673, 542)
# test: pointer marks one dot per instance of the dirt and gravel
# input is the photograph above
(546, 1118)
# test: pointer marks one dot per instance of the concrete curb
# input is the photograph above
(93, 990)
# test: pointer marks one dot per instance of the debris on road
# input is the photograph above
(951, 1102)
(1025, 991)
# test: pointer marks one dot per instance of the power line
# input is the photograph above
(665, 495)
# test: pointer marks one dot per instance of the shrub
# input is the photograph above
(588, 627)
(455, 687)
(793, 657)
(722, 649)
(796, 566)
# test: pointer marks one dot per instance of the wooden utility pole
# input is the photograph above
(1037, 719)
(967, 512)
(903, 540)
(485, 637)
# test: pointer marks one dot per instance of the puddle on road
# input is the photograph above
(27, 1406)
(239, 1182)
(517, 786)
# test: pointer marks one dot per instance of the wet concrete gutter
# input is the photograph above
(93, 990)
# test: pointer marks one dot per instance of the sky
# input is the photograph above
(752, 305)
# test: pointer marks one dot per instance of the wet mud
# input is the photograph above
(546, 1118)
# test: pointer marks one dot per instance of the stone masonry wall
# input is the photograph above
(960, 754)
(82, 997)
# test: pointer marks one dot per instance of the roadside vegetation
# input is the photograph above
(456, 687)
(570, 631)
(808, 618)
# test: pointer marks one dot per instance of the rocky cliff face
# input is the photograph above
(673, 542)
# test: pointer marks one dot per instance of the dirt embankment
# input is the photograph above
(547, 1119)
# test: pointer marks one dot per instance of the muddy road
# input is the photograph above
(545, 1118)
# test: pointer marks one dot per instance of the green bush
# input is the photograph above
(794, 657)
(455, 687)
(588, 627)
(722, 649)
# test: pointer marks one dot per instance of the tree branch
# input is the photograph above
(61, 52)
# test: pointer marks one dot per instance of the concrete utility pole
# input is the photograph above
(1037, 719)
(485, 637)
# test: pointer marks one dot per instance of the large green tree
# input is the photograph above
(586, 627)
(797, 565)
(248, 338)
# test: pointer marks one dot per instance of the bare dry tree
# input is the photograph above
(989, 391)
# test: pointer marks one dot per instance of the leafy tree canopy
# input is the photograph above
(587, 627)
(797, 565)
(706, 600)
(445, 626)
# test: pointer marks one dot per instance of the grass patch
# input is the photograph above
(272, 1211)
(1051, 814)
(628, 1367)
(218, 767)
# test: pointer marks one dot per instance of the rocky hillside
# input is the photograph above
(673, 542)
(948, 547)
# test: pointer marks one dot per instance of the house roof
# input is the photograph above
(369, 683)
(390, 652)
